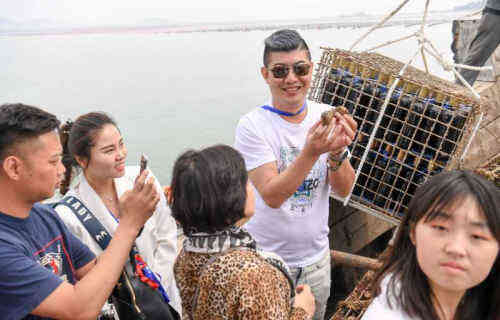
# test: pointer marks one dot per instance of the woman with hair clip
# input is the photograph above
(220, 272)
(445, 261)
(94, 144)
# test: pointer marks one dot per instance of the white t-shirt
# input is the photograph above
(379, 309)
(298, 230)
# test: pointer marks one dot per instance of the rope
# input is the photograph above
(474, 131)
(421, 36)
(464, 82)
(458, 65)
(378, 25)
(422, 52)
(425, 16)
(451, 66)
(390, 42)
(423, 41)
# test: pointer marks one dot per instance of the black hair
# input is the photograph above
(209, 189)
(77, 139)
(444, 190)
(20, 122)
(284, 41)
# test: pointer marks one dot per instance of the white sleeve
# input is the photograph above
(375, 310)
(251, 144)
(165, 247)
(379, 308)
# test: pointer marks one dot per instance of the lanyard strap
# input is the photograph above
(89, 221)
(114, 217)
(284, 113)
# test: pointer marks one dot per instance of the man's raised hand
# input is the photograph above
(137, 205)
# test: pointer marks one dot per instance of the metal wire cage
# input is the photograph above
(423, 129)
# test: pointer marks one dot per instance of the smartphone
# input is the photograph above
(143, 163)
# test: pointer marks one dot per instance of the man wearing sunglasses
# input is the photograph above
(294, 162)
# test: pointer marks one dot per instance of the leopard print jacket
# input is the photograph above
(236, 285)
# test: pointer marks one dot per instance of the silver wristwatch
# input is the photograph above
(335, 161)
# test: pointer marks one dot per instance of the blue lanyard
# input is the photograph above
(284, 113)
(114, 217)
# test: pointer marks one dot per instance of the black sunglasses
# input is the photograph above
(300, 68)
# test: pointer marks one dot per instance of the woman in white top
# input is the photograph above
(445, 261)
(94, 144)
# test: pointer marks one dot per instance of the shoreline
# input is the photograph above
(316, 24)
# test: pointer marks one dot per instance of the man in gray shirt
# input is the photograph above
(485, 41)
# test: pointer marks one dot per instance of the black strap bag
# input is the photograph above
(136, 295)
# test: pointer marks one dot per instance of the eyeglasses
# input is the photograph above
(300, 69)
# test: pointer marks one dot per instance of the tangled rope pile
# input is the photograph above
(491, 170)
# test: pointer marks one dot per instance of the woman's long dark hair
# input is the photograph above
(414, 294)
(77, 138)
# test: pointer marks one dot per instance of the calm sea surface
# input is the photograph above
(168, 92)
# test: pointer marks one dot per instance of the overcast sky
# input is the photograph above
(133, 11)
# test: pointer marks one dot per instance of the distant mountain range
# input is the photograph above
(8, 26)
(33, 24)
(4, 23)
(474, 5)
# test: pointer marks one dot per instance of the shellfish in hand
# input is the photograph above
(327, 116)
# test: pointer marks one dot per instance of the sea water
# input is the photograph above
(167, 92)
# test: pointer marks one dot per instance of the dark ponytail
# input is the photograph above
(67, 158)
(77, 138)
